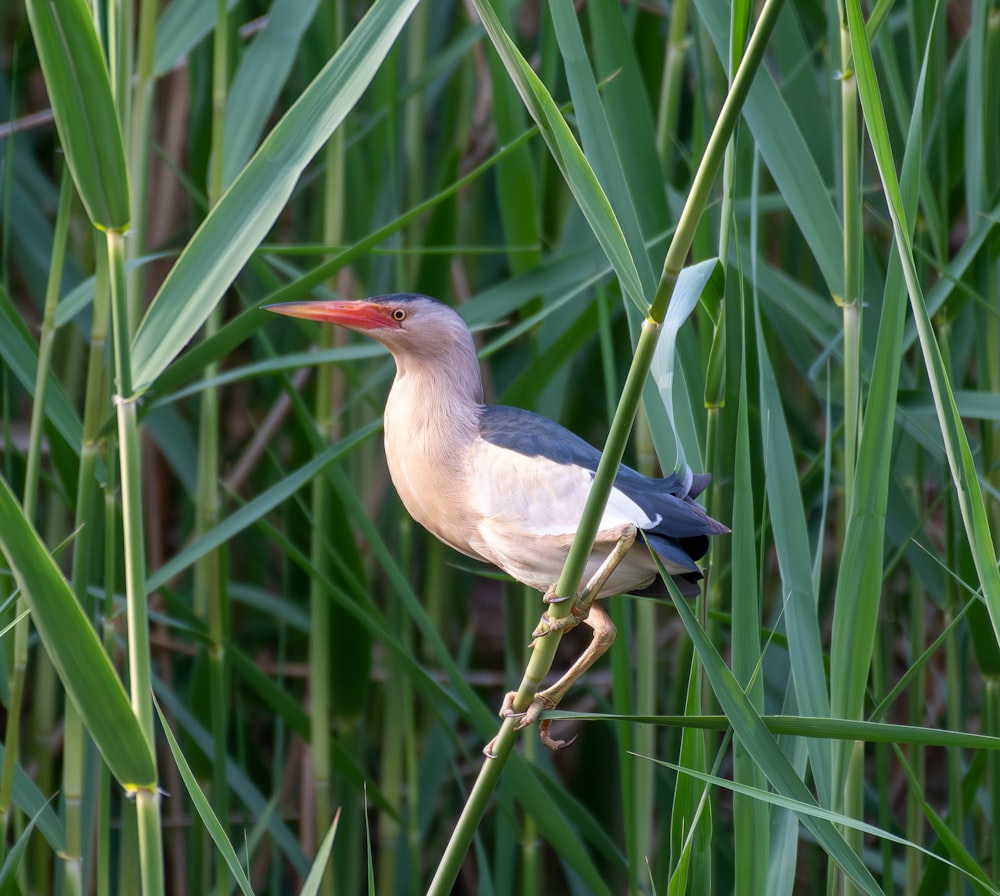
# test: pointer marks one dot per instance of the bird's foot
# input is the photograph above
(555, 745)
(548, 624)
(552, 596)
(523, 719)
(541, 702)
(507, 707)
(527, 716)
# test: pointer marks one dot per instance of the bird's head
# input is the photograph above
(403, 321)
(422, 333)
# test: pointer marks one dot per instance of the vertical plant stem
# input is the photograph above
(647, 667)
(668, 113)
(210, 594)
(320, 606)
(31, 480)
(991, 725)
(140, 665)
(95, 411)
(918, 755)
(139, 142)
(850, 302)
(319, 614)
(614, 449)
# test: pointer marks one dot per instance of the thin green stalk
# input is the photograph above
(648, 669)
(320, 607)
(140, 666)
(953, 686)
(851, 305)
(319, 614)
(670, 90)
(967, 490)
(139, 136)
(851, 300)
(31, 481)
(614, 449)
(751, 818)
(47, 693)
(392, 767)
(95, 412)
(102, 870)
(918, 755)
(991, 726)
(210, 594)
(414, 124)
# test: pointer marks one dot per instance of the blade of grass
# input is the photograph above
(204, 809)
(73, 647)
(960, 459)
(573, 165)
(760, 744)
(79, 89)
(245, 213)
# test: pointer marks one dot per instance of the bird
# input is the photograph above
(507, 486)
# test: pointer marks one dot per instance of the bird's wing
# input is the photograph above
(535, 473)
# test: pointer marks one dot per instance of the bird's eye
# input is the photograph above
(399, 315)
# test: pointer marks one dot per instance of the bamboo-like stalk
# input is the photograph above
(210, 595)
(95, 411)
(647, 667)
(751, 818)
(918, 755)
(670, 90)
(844, 756)
(31, 481)
(851, 300)
(614, 449)
(991, 362)
(140, 667)
(320, 607)
(139, 132)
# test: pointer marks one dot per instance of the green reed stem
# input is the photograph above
(133, 525)
(31, 480)
(544, 652)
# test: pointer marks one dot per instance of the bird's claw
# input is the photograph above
(507, 707)
(548, 624)
(551, 743)
(552, 596)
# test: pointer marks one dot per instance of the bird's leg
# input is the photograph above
(583, 601)
(583, 610)
(604, 637)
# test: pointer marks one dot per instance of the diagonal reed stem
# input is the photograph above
(544, 653)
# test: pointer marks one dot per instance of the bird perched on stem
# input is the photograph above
(508, 486)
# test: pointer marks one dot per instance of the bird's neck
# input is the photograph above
(431, 422)
(436, 402)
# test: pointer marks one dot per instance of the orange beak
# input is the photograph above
(353, 315)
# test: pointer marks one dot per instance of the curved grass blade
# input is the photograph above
(761, 745)
(70, 641)
(259, 79)
(246, 211)
(787, 156)
(315, 878)
(79, 88)
(253, 510)
(568, 156)
(691, 283)
(20, 353)
(960, 460)
(201, 804)
(968, 867)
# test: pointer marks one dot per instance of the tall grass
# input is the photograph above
(196, 518)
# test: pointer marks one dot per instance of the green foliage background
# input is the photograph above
(824, 719)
